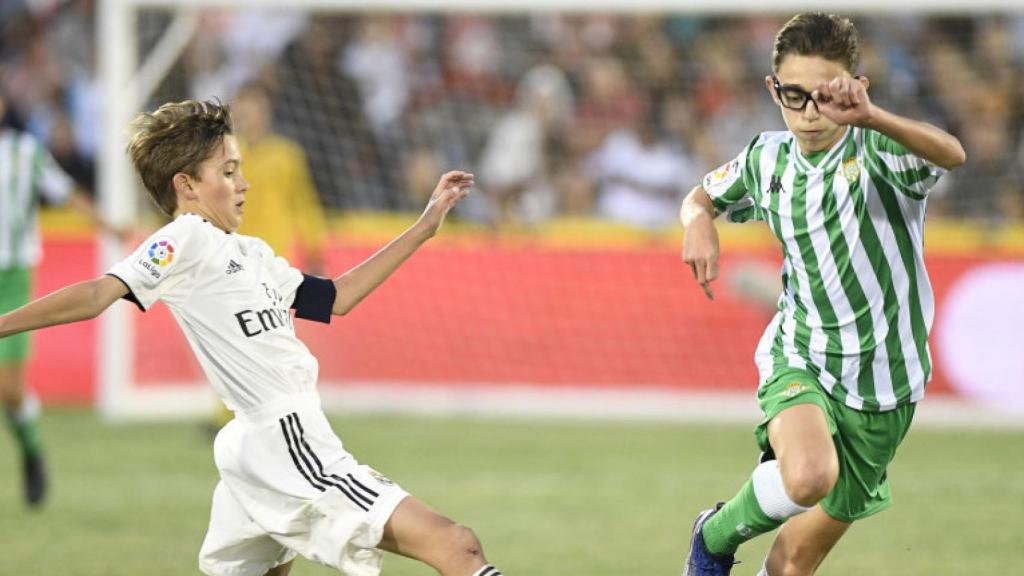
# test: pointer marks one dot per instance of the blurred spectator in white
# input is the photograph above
(206, 64)
(255, 38)
(515, 166)
(640, 177)
(376, 59)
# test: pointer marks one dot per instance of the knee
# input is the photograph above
(809, 481)
(462, 545)
(794, 560)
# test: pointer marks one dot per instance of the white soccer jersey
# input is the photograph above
(231, 296)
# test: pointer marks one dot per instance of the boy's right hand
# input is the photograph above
(453, 187)
(700, 252)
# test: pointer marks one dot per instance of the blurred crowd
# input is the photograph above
(615, 116)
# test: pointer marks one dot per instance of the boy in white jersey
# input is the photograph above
(846, 357)
(287, 485)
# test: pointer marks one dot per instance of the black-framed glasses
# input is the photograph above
(792, 97)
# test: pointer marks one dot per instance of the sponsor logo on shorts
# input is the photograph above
(381, 478)
(794, 389)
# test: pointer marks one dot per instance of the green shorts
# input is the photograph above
(15, 288)
(865, 441)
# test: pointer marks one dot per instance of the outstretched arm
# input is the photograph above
(845, 100)
(358, 282)
(700, 240)
(80, 301)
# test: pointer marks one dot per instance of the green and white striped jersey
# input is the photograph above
(27, 172)
(857, 304)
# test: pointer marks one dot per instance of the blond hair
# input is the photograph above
(177, 137)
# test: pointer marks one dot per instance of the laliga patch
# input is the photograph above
(723, 176)
(161, 252)
(157, 257)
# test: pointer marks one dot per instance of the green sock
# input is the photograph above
(738, 521)
(25, 427)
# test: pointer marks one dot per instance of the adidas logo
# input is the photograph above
(234, 267)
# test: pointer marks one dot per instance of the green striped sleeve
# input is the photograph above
(729, 185)
(906, 172)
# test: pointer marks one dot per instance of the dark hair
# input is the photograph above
(817, 34)
(177, 137)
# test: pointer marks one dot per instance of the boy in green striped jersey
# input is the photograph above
(845, 358)
(27, 173)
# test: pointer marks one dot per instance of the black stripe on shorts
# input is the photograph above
(295, 434)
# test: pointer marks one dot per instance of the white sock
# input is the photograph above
(771, 493)
(488, 570)
(28, 411)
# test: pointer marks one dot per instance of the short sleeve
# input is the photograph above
(727, 186)
(286, 277)
(161, 263)
(912, 175)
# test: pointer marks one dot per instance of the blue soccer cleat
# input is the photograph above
(701, 562)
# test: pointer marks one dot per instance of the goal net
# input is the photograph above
(558, 283)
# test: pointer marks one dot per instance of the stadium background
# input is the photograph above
(585, 130)
(558, 287)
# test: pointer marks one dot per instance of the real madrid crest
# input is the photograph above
(380, 477)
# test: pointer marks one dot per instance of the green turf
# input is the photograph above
(546, 498)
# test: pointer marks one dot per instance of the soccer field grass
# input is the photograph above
(546, 497)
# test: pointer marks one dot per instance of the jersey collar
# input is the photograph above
(833, 153)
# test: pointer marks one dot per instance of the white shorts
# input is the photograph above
(289, 487)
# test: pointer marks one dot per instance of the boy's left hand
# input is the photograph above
(453, 187)
(844, 100)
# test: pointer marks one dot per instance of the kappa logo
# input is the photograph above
(775, 185)
(234, 267)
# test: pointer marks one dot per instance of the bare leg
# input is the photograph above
(12, 385)
(809, 466)
(807, 456)
(803, 542)
(418, 532)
